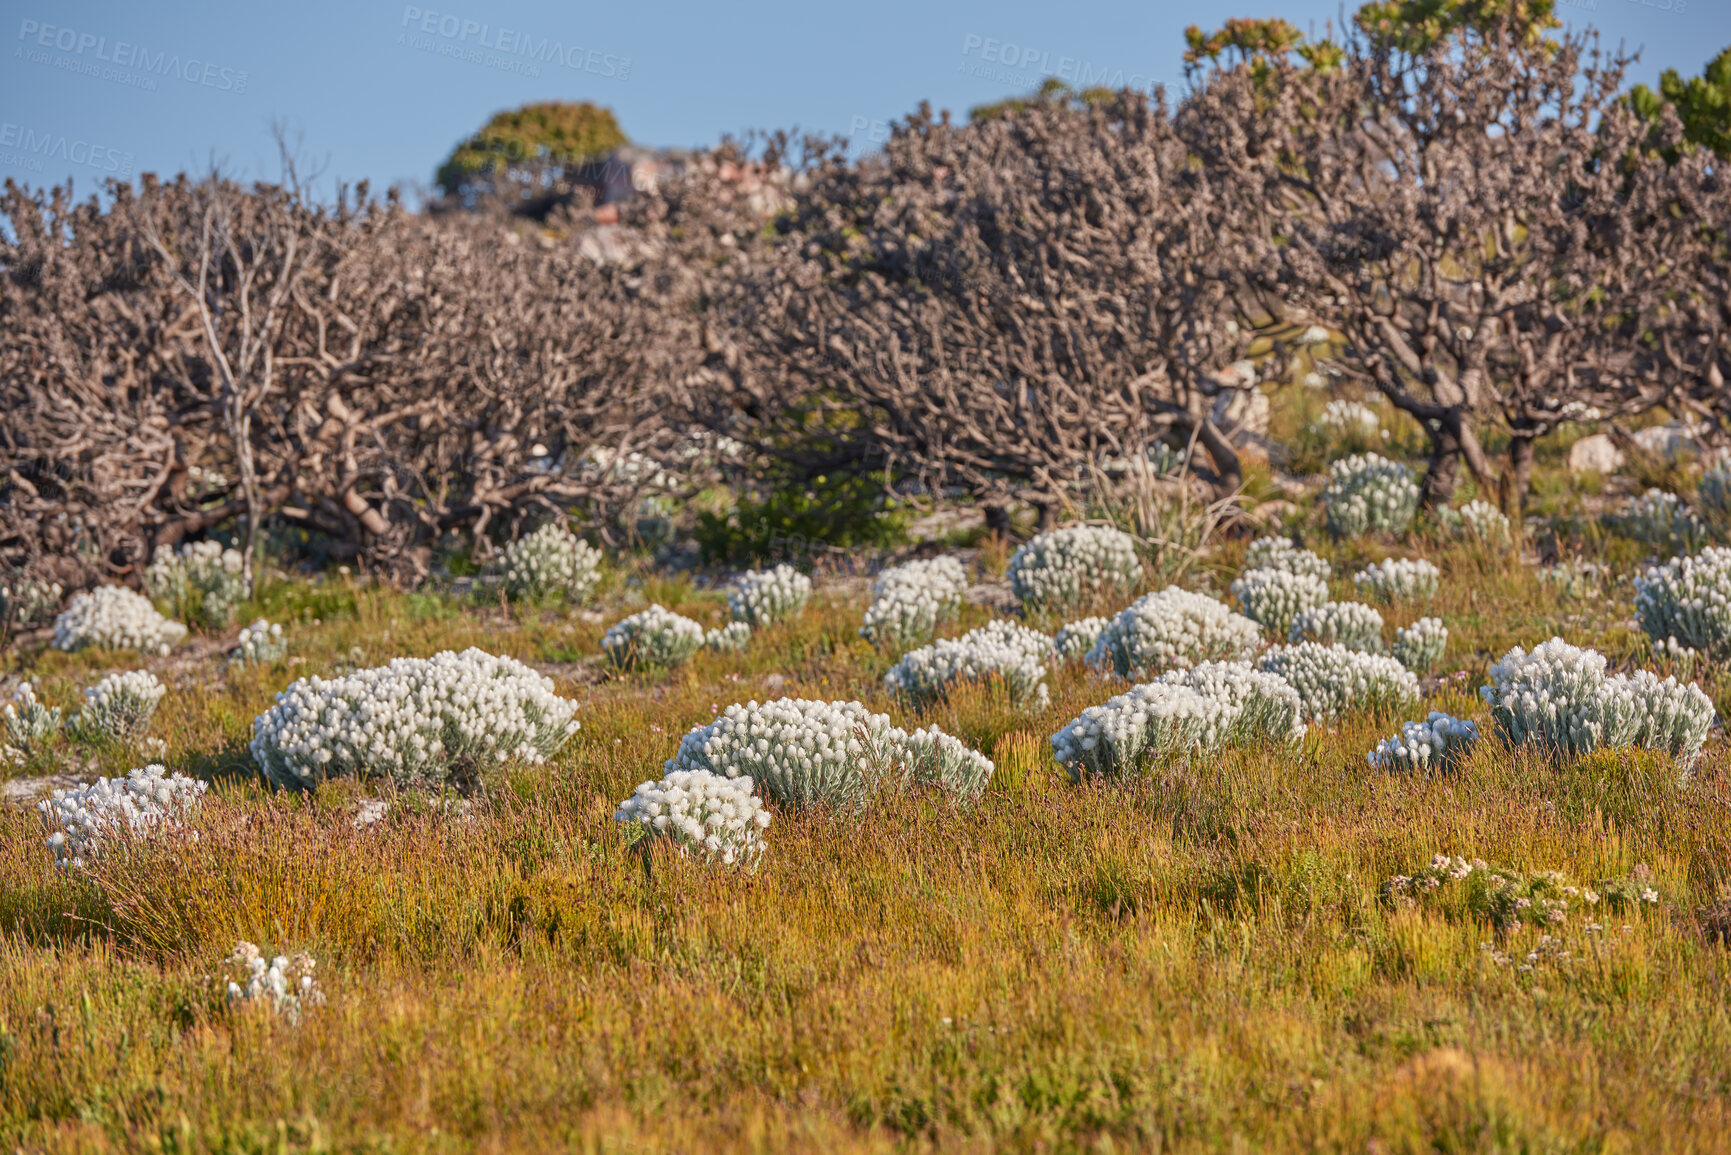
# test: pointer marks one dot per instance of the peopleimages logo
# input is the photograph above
(478, 41)
(134, 64)
(1013, 59)
(32, 149)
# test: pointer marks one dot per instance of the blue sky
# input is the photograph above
(382, 91)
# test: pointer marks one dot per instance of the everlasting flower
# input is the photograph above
(1685, 604)
(285, 985)
(1063, 569)
(29, 724)
(1440, 741)
(653, 637)
(119, 707)
(1368, 493)
(552, 562)
(1398, 579)
(1173, 627)
(146, 801)
(910, 602)
(1274, 598)
(115, 618)
(1662, 520)
(762, 597)
(1000, 649)
(1076, 639)
(1333, 679)
(1351, 624)
(705, 815)
(1282, 553)
(1420, 646)
(27, 601)
(202, 582)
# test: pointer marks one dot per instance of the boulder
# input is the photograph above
(1595, 454)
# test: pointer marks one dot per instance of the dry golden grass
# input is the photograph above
(1200, 961)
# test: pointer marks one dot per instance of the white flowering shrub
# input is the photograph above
(728, 639)
(1367, 493)
(1348, 417)
(417, 721)
(1283, 553)
(1351, 624)
(259, 644)
(910, 602)
(1420, 646)
(1273, 598)
(1170, 628)
(1269, 709)
(1685, 604)
(29, 724)
(838, 754)
(1183, 713)
(551, 563)
(145, 802)
(1398, 579)
(201, 582)
(26, 601)
(1064, 569)
(999, 649)
(1440, 741)
(705, 815)
(653, 637)
(1333, 679)
(119, 707)
(1481, 520)
(284, 985)
(1662, 520)
(762, 597)
(1075, 639)
(115, 618)
(1559, 698)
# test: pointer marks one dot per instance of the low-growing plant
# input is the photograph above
(728, 639)
(1398, 579)
(705, 815)
(910, 602)
(27, 601)
(30, 725)
(1064, 570)
(118, 708)
(1368, 493)
(551, 564)
(764, 597)
(1438, 742)
(1282, 553)
(115, 618)
(655, 638)
(1076, 639)
(1333, 680)
(999, 650)
(1273, 598)
(1420, 646)
(1172, 627)
(1662, 520)
(285, 985)
(259, 644)
(201, 582)
(420, 722)
(146, 802)
(1351, 624)
(1684, 605)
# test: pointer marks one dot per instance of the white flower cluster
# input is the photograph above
(712, 816)
(552, 562)
(285, 985)
(1333, 679)
(1367, 493)
(1164, 459)
(28, 722)
(1398, 579)
(1173, 627)
(999, 649)
(202, 582)
(146, 800)
(119, 707)
(728, 639)
(115, 618)
(1186, 712)
(1274, 598)
(1077, 638)
(27, 601)
(1662, 520)
(1351, 624)
(805, 753)
(1349, 417)
(1420, 646)
(1685, 604)
(761, 597)
(1478, 519)
(910, 602)
(417, 721)
(260, 643)
(1558, 697)
(653, 637)
(1439, 740)
(1060, 571)
(1283, 553)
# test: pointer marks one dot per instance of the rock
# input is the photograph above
(28, 791)
(1595, 454)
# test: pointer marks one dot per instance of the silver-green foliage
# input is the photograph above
(1685, 604)
(1274, 598)
(1420, 646)
(1351, 624)
(1333, 679)
(1367, 493)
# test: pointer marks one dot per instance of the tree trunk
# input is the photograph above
(1443, 474)
(1519, 478)
(1228, 472)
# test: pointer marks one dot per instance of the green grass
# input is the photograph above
(1198, 962)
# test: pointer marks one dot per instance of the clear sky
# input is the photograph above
(382, 91)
